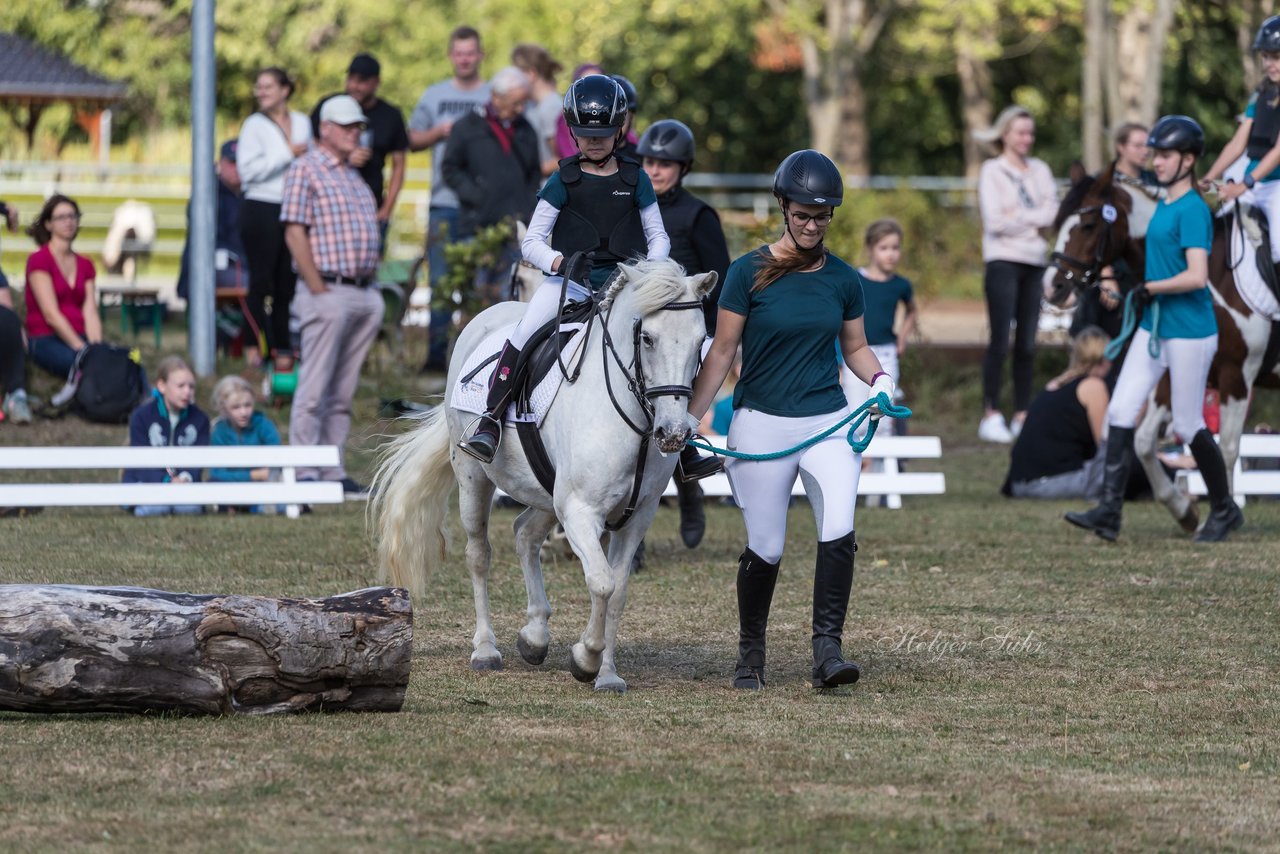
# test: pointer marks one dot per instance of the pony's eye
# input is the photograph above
(647, 340)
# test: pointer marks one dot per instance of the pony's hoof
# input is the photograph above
(611, 684)
(534, 655)
(1190, 520)
(486, 663)
(583, 673)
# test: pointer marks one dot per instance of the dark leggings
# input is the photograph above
(1013, 296)
(13, 365)
(270, 271)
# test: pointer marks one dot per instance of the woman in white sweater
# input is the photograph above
(1017, 198)
(269, 141)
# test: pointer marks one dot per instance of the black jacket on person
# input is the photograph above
(697, 242)
(491, 184)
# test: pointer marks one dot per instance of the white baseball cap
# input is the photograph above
(342, 110)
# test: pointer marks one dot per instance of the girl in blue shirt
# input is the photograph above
(1185, 332)
(239, 424)
(785, 303)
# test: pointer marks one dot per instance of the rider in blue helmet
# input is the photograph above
(598, 210)
(1178, 333)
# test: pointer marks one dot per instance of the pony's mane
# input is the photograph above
(1072, 201)
(648, 285)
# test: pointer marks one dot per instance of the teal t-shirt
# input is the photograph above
(555, 194)
(788, 365)
(881, 299)
(1175, 228)
(1249, 112)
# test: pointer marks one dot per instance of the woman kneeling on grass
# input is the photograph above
(785, 303)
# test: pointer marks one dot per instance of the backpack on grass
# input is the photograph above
(111, 383)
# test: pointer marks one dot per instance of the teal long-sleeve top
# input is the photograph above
(259, 432)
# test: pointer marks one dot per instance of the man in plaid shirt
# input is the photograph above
(331, 227)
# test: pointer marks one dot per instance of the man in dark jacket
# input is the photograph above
(492, 165)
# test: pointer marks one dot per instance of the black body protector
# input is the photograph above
(680, 210)
(1266, 124)
(600, 214)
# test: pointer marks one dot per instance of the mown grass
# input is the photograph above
(1025, 686)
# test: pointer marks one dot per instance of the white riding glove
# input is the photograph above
(883, 384)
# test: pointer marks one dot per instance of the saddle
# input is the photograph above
(1258, 232)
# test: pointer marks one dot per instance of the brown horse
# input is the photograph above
(1094, 231)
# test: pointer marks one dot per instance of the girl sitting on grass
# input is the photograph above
(240, 423)
(169, 418)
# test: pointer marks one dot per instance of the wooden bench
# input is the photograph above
(891, 482)
(287, 491)
(1244, 482)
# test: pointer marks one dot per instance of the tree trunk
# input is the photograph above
(127, 649)
(975, 93)
(1095, 51)
(1141, 33)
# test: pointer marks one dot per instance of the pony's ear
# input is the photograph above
(1077, 173)
(706, 282)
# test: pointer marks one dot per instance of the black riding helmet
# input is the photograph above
(809, 177)
(595, 106)
(668, 139)
(1177, 133)
(628, 89)
(1268, 37)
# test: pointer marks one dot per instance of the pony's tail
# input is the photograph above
(410, 503)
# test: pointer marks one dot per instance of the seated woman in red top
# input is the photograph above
(62, 308)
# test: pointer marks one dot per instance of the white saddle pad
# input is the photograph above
(472, 395)
(1245, 243)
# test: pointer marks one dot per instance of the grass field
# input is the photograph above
(1025, 686)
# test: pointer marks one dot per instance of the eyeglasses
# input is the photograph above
(802, 219)
(356, 125)
(74, 217)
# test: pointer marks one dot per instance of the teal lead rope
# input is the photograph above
(858, 416)
(1129, 323)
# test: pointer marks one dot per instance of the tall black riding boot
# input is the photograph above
(693, 516)
(1104, 520)
(693, 466)
(832, 582)
(756, 580)
(1225, 515)
(483, 443)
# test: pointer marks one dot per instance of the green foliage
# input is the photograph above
(466, 260)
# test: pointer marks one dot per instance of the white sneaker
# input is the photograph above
(993, 429)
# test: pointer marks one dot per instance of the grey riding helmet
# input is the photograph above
(595, 106)
(1177, 133)
(667, 139)
(1268, 37)
(809, 177)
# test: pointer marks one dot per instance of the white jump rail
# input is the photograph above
(287, 491)
(891, 481)
(1245, 482)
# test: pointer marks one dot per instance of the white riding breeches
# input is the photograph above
(829, 471)
(1186, 359)
(543, 306)
(1265, 195)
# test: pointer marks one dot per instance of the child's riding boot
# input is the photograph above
(1104, 520)
(483, 443)
(693, 466)
(1225, 515)
(832, 581)
(693, 517)
(756, 580)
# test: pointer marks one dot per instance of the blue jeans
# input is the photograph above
(442, 229)
(144, 510)
(53, 354)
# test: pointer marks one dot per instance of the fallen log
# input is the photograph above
(129, 649)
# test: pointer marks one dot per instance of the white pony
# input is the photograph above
(613, 437)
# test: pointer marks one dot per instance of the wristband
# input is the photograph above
(1249, 181)
(877, 375)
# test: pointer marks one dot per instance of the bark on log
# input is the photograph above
(129, 649)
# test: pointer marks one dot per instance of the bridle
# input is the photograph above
(1089, 273)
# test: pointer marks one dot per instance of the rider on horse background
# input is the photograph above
(596, 211)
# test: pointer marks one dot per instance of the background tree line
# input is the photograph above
(886, 86)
